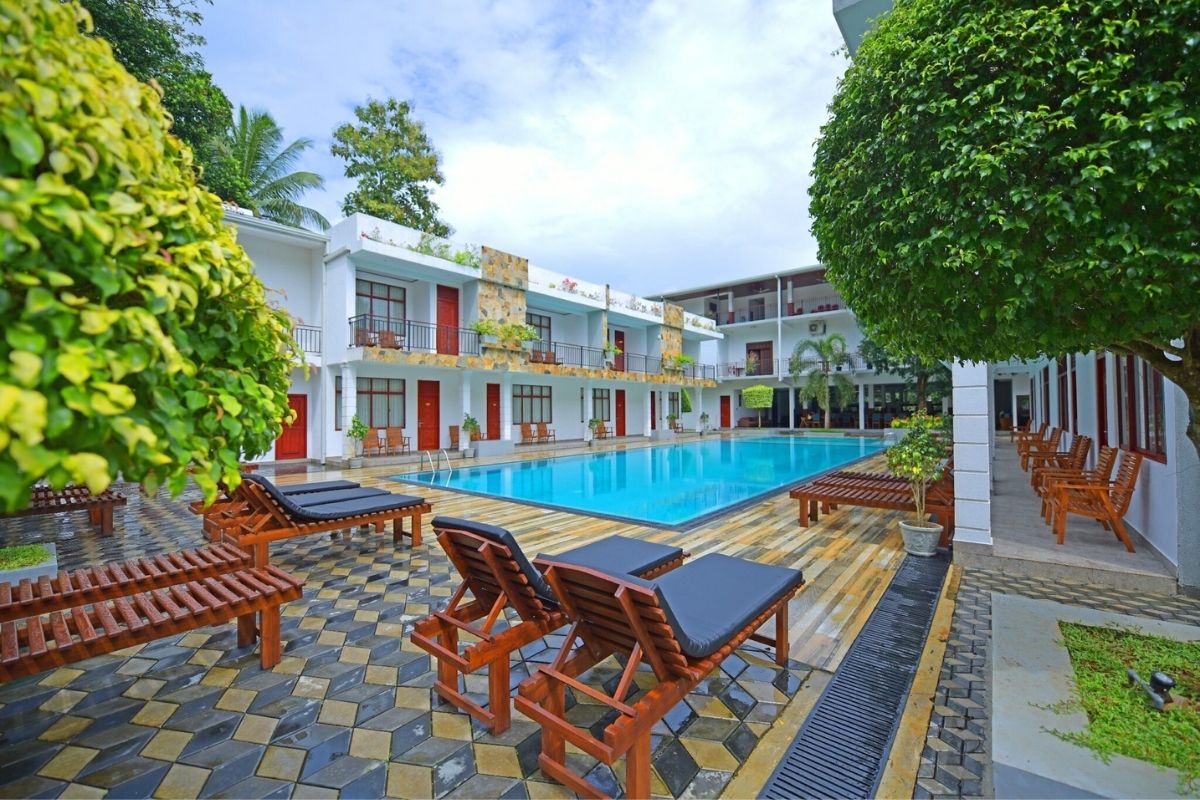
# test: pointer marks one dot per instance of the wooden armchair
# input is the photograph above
(1074, 458)
(601, 432)
(453, 437)
(544, 434)
(1104, 502)
(1027, 435)
(1020, 430)
(1046, 479)
(527, 436)
(1040, 448)
(397, 442)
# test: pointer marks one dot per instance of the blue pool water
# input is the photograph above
(668, 485)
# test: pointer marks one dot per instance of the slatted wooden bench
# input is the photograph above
(939, 500)
(89, 612)
(74, 498)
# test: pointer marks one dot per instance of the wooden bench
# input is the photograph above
(89, 612)
(73, 498)
(882, 495)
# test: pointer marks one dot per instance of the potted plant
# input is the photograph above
(918, 458)
(752, 363)
(703, 421)
(488, 330)
(671, 420)
(517, 334)
(358, 431)
(611, 351)
(470, 427)
(594, 424)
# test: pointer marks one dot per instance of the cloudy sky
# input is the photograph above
(652, 145)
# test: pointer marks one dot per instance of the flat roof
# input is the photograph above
(691, 292)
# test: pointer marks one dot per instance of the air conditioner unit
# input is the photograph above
(816, 327)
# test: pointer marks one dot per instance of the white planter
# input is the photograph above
(47, 567)
(489, 338)
(920, 540)
(355, 463)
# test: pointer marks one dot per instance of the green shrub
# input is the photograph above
(136, 341)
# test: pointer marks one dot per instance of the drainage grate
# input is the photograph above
(843, 744)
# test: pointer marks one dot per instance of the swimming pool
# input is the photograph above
(670, 485)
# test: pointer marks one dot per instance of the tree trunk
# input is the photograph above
(922, 383)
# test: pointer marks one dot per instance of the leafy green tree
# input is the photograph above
(263, 165)
(928, 377)
(391, 157)
(136, 339)
(156, 41)
(813, 370)
(1002, 179)
(758, 397)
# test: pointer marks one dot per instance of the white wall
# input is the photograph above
(291, 274)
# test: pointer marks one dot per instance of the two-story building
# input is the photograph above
(763, 318)
(390, 324)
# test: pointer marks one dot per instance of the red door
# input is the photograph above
(620, 412)
(493, 411)
(293, 439)
(619, 361)
(428, 405)
(653, 410)
(726, 414)
(447, 320)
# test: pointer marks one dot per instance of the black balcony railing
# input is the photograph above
(367, 330)
(575, 355)
(782, 366)
(308, 337)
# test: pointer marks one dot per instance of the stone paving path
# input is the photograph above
(956, 761)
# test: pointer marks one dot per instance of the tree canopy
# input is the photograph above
(262, 170)
(390, 156)
(137, 340)
(156, 41)
(927, 376)
(758, 397)
(1001, 179)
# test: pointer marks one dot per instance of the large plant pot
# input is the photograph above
(920, 540)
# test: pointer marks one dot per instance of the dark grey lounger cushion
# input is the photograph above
(319, 486)
(327, 512)
(335, 496)
(707, 601)
(615, 555)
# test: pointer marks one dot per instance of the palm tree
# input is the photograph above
(263, 170)
(814, 371)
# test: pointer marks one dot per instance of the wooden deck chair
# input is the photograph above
(271, 515)
(1047, 478)
(684, 624)
(498, 575)
(527, 436)
(1047, 447)
(1019, 430)
(1104, 502)
(397, 442)
(544, 434)
(602, 431)
(1027, 434)
(1074, 458)
(453, 437)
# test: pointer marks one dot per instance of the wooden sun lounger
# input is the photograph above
(271, 515)
(73, 498)
(642, 620)
(227, 511)
(883, 495)
(498, 575)
(102, 609)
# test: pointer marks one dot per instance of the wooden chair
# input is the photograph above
(397, 442)
(1105, 502)
(1073, 459)
(453, 437)
(97, 610)
(886, 494)
(654, 623)
(1031, 449)
(527, 436)
(1026, 435)
(270, 515)
(380, 445)
(389, 339)
(1019, 430)
(601, 432)
(45, 500)
(498, 575)
(1047, 478)
(544, 434)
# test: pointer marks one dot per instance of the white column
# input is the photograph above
(589, 410)
(862, 406)
(791, 407)
(464, 438)
(506, 410)
(972, 454)
(349, 407)
(698, 405)
(646, 409)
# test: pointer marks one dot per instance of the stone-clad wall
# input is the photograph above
(672, 331)
(503, 281)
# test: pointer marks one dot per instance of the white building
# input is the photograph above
(763, 318)
(385, 319)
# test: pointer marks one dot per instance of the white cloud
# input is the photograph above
(653, 145)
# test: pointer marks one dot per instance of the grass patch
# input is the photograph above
(1120, 717)
(23, 555)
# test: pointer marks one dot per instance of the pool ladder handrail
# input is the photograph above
(438, 466)
(429, 458)
(449, 466)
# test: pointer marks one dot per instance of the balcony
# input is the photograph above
(308, 338)
(800, 307)
(780, 366)
(575, 355)
(367, 330)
